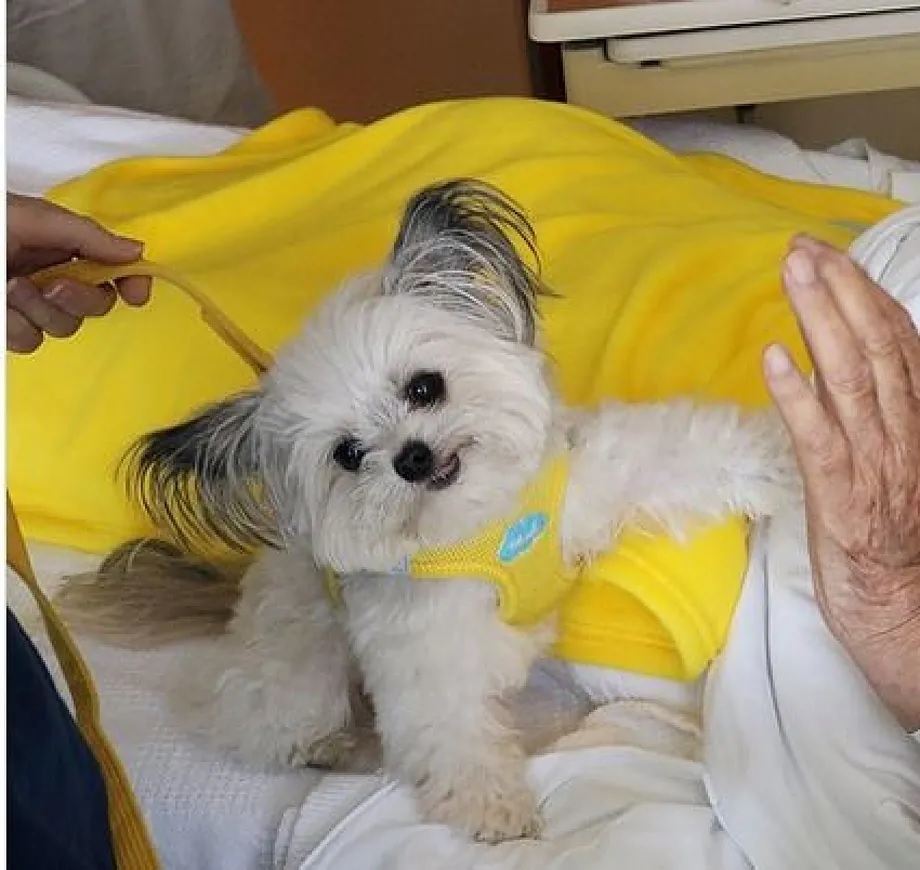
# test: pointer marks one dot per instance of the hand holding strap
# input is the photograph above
(89, 272)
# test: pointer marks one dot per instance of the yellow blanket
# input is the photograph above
(667, 270)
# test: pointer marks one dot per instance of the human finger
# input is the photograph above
(898, 319)
(36, 223)
(908, 335)
(80, 300)
(860, 301)
(22, 336)
(25, 297)
(135, 290)
(836, 354)
(820, 447)
(23, 261)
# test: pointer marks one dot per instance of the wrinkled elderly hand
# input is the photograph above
(40, 234)
(857, 439)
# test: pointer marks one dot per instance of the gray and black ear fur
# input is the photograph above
(208, 478)
(455, 247)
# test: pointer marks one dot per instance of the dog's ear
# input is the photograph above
(456, 248)
(206, 478)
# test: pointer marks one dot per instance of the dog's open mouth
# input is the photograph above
(446, 473)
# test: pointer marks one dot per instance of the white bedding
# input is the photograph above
(803, 766)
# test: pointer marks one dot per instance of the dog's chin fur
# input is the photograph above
(454, 300)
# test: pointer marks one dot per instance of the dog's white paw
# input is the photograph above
(489, 804)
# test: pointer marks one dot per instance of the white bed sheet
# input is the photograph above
(784, 797)
(854, 163)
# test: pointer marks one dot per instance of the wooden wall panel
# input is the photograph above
(362, 59)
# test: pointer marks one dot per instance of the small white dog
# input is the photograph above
(413, 411)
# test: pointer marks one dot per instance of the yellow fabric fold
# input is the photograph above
(656, 605)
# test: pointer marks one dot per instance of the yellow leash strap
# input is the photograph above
(130, 839)
(88, 272)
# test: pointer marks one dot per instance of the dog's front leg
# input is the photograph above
(668, 462)
(439, 664)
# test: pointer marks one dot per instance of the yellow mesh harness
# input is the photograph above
(519, 554)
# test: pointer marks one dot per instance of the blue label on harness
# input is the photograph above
(521, 536)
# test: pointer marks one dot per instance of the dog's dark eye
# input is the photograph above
(349, 454)
(426, 389)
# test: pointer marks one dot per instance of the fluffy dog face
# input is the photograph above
(412, 408)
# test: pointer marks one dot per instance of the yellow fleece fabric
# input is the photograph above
(667, 270)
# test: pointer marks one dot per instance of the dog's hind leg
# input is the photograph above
(276, 686)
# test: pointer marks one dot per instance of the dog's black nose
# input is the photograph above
(415, 462)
